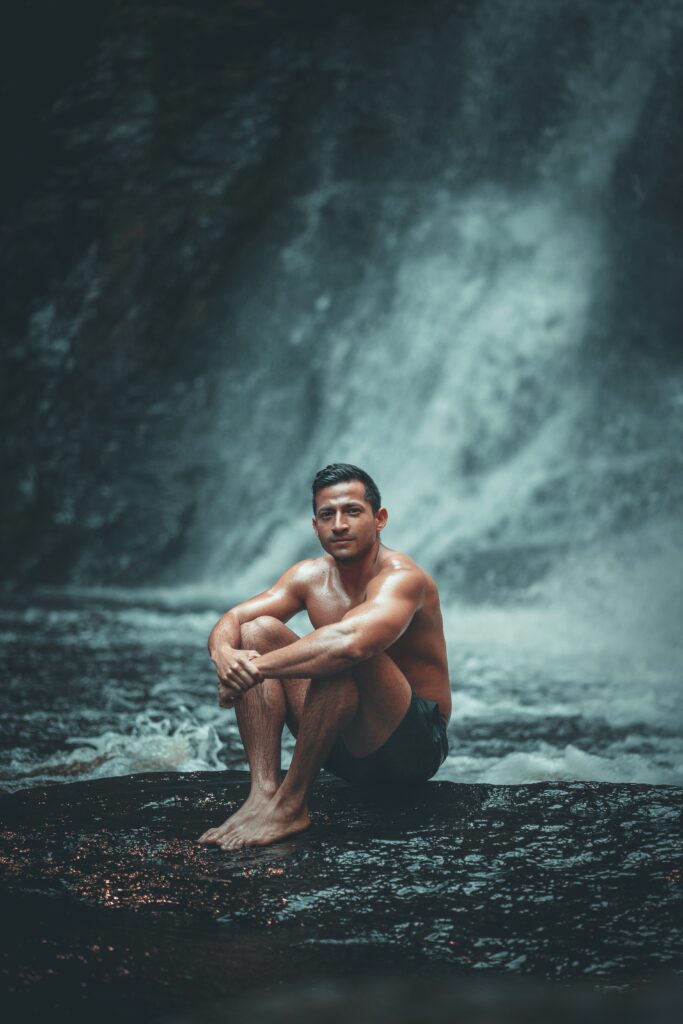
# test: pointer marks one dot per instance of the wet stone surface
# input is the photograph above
(113, 904)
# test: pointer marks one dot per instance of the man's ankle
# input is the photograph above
(293, 802)
(264, 787)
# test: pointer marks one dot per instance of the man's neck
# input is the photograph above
(356, 575)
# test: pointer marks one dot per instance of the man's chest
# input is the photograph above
(330, 604)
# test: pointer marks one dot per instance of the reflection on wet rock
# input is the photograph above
(561, 882)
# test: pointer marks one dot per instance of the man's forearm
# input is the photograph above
(226, 631)
(325, 652)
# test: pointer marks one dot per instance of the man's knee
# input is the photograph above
(372, 668)
(264, 629)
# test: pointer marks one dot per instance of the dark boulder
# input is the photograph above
(115, 909)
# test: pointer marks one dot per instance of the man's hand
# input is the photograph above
(236, 674)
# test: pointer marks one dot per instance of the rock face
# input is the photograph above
(219, 217)
(116, 909)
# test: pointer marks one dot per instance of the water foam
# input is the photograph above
(571, 764)
(152, 743)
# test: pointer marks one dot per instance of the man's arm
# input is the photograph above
(284, 599)
(364, 631)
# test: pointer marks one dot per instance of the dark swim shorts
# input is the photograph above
(413, 753)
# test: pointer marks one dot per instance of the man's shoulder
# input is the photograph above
(398, 562)
(398, 566)
(308, 571)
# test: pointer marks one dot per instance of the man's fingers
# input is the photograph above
(243, 671)
(227, 702)
(251, 656)
(227, 695)
(240, 663)
(248, 664)
(246, 678)
(237, 677)
(231, 689)
(228, 689)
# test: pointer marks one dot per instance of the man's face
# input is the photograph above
(344, 522)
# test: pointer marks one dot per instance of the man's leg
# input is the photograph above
(365, 705)
(261, 713)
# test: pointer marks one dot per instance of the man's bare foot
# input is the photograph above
(253, 806)
(276, 821)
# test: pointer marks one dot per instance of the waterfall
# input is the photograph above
(439, 242)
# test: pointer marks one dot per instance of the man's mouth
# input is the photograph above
(342, 540)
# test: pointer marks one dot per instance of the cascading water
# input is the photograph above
(441, 242)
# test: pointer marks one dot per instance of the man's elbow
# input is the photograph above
(219, 633)
(361, 648)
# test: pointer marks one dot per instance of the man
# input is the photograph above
(366, 694)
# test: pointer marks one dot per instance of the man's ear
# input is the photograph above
(381, 517)
(315, 527)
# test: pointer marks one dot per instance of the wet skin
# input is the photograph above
(378, 637)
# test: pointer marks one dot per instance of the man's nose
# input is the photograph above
(339, 524)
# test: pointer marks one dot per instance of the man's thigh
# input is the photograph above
(384, 695)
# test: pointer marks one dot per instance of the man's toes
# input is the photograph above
(233, 842)
(215, 837)
(225, 832)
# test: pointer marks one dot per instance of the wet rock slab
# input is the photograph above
(114, 907)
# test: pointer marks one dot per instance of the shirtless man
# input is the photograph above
(366, 694)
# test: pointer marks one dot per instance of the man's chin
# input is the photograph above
(343, 552)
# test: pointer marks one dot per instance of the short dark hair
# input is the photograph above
(341, 472)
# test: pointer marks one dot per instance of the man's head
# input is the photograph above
(347, 512)
(344, 472)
